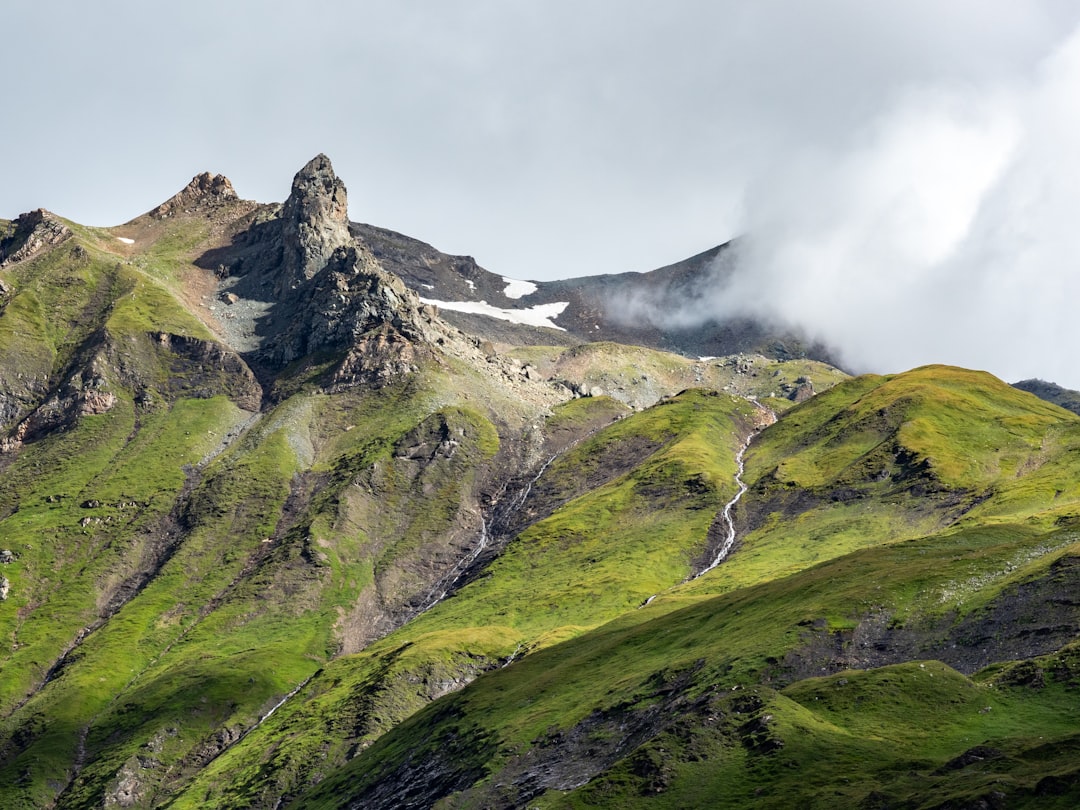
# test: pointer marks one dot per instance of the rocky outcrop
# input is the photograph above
(78, 396)
(314, 223)
(1026, 620)
(34, 232)
(354, 305)
(298, 282)
(802, 391)
(204, 193)
(203, 368)
(157, 366)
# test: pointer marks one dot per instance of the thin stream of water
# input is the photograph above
(729, 541)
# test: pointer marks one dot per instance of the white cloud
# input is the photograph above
(946, 235)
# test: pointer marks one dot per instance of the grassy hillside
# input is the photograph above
(881, 601)
(601, 553)
(881, 459)
(179, 564)
(391, 571)
(711, 705)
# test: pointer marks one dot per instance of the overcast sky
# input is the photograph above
(907, 174)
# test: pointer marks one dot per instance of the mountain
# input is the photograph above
(620, 308)
(275, 531)
(1051, 392)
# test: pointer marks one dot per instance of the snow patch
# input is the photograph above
(518, 289)
(428, 286)
(472, 286)
(540, 315)
(125, 240)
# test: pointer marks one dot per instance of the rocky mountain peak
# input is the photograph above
(34, 231)
(205, 191)
(314, 222)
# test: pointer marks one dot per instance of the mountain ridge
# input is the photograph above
(274, 531)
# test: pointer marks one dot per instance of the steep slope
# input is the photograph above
(236, 448)
(166, 523)
(620, 516)
(624, 308)
(708, 705)
(702, 707)
(887, 458)
(274, 532)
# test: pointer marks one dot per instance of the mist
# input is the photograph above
(941, 229)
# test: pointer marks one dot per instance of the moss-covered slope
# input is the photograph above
(696, 681)
(275, 540)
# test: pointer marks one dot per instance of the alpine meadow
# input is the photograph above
(300, 512)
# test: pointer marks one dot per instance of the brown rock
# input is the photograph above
(205, 191)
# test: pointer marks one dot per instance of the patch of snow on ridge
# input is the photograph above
(518, 289)
(125, 240)
(472, 285)
(540, 315)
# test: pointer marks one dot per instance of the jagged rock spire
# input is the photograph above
(314, 222)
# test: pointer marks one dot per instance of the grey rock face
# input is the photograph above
(314, 222)
(349, 298)
(33, 232)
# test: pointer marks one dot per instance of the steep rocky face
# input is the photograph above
(151, 367)
(314, 222)
(205, 191)
(345, 300)
(34, 232)
(80, 395)
(296, 284)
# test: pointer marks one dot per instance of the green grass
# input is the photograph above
(150, 307)
(909, 502)
(892, 720)
(559, 578)
(241, 621)
(885, 733)
(529, 601)
(883, 459)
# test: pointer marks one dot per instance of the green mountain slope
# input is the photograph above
(717, 703)
(272, 533)
(599, 554)
(969, 597)
(880, 459)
